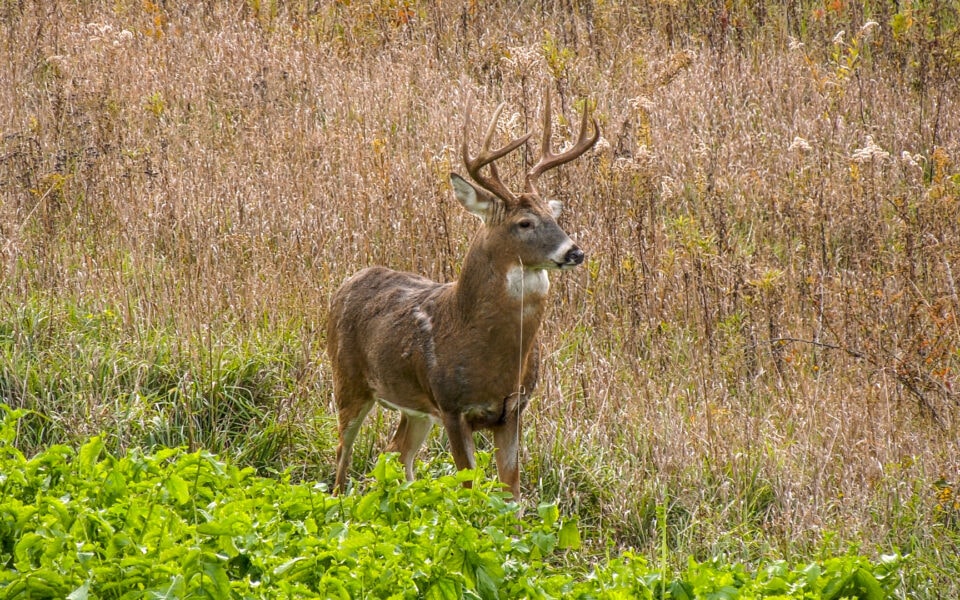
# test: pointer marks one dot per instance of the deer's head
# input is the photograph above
(520, 230)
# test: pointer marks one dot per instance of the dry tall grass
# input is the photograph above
(764, 339)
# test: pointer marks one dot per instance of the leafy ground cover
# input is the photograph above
(760, 358)
(176, 524)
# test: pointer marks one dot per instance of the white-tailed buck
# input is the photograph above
(463, 354)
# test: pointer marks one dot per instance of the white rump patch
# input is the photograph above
(523, 282)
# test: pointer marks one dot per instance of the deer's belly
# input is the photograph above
(490, 414)
(415, 411)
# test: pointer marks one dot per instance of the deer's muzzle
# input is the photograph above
(573, 257)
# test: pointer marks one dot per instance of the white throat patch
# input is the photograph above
(525, 283)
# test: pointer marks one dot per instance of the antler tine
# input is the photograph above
(548, 159)
(547, 125)
(487, 157)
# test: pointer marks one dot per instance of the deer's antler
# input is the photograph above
(486, 157)
(548, 159)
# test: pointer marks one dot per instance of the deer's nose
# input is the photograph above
(574, 256)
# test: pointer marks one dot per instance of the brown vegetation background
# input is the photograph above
(764, 338)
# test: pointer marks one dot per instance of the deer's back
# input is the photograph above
(379, 331)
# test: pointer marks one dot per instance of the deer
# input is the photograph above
(463, 354)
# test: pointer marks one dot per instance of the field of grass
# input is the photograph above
(760, 357)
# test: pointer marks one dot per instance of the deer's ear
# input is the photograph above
(475, 201)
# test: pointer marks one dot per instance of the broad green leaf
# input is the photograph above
(8, 427)
(445, 588)
(89, 453)
(285, 567)
(545, 542)
(569, 537)
(174, 591)
(387, 469)
(81, 593)
(836, 587)
(726, 592)
(486, 586)
(367, 507)
(40, 584)
(866, 586)
(55, 506)
(216, 582)
(178, 489)
(811, 574)
(331, 586)
(164, 454)
(28, 548)
(114, 485)
(681, 591)
(234, 524)
(465, 475)
(549, 513)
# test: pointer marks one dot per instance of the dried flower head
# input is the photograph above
(602, 146)
(870, 152)
(670, 188)
(867, 28)
(799, 145)
(522, 59)
(911, 160)
(641, 103)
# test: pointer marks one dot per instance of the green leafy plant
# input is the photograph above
(82, 523)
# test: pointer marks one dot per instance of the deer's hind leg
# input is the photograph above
(460, 436)
(506, 440)
(411, 432)
(353, 404)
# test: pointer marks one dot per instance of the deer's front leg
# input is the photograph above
(506, 439)
(461, 442)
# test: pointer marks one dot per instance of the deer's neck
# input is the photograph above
(504, 299)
